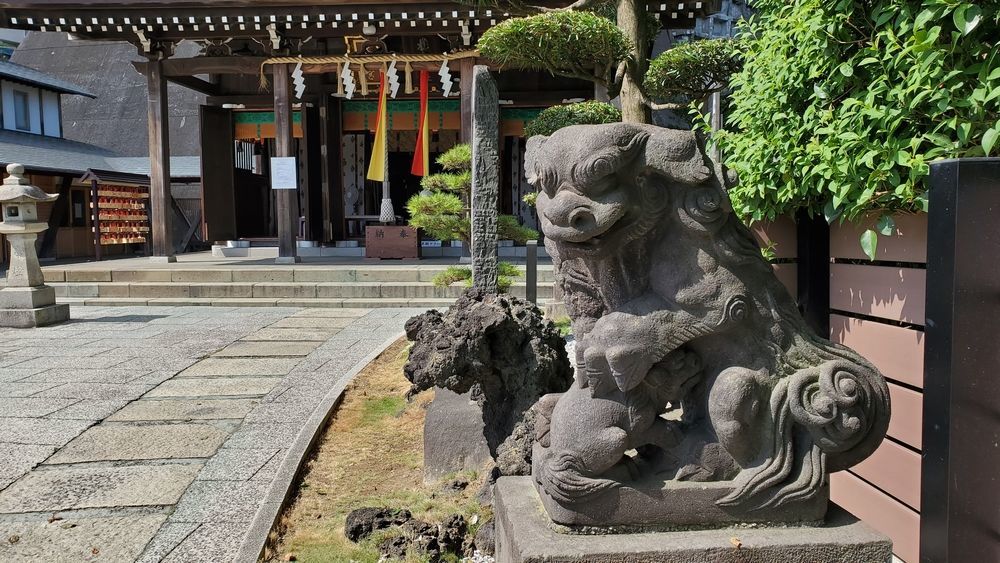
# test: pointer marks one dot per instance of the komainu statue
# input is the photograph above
(700, 394)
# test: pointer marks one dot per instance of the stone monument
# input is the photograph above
(26, 301)
(485, 178)
(702, 401)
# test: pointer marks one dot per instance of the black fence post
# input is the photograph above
(813, 271)
(531, 272)
(960, 480)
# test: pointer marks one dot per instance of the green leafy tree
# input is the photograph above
(842, 104)
(608, 43)
(554, 118)
(443, 211)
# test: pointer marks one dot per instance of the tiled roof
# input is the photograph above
(52, 154)
(27, 75)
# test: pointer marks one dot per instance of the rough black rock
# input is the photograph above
(394, 547)
(498, 347)
(362, 522)
(424, 538)
(451, 536)
(485, 542)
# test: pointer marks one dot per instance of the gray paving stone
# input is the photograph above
(89, 409)
(220, 501)
(101, 391)
(40, 431)
(236, 464)
(117, 442)
(68, 375)
(18, 459)
(8, 375)
(24, 389)
(185, 409)
(284, 411)
(332, 313)
(220, 387)
(267, 349)
(169, 536)
(240, 366)
(263, 435)
(80, 539)
(68, 488)
(292, 334)
(94, 362)
(32, 406)
(313, 322)
(210, 543)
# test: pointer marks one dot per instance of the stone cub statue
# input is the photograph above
(675, 309)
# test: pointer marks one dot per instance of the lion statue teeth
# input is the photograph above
(693, 363)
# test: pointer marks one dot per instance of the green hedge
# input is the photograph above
(584, 113)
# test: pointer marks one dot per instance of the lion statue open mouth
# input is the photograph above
(675, 310)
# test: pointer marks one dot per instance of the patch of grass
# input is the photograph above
(371, 455)
(375, 409)
(565, 326)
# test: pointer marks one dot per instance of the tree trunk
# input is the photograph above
(630, 21)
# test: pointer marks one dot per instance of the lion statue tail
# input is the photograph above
(826, 419)
(562, 477)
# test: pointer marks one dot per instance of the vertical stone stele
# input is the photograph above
(485, 178)
(26, 301)
(701, 398)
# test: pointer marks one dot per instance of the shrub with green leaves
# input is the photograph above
(443, 212)
(567, 43)
(694, 70)
(506, 272)
(554, 118)
(841, 105)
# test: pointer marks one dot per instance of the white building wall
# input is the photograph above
(34, 107)
(50, 114)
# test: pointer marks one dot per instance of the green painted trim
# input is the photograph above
(260, 117)
(523, 114)
(402, 106)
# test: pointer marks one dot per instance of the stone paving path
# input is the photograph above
(154, 434)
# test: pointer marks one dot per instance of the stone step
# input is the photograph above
(313, 274)
(360, 303)
(271, 290)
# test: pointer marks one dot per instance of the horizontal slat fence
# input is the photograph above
(877, 308)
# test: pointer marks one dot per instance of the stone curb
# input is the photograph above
(280, 490)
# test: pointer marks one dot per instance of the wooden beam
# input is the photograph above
(205, 65)
(197, 84)
(159, 163)
(286, 200)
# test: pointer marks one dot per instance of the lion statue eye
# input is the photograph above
(600, 167)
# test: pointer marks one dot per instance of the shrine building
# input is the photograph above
(290, 79)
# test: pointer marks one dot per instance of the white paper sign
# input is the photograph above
(284, 173)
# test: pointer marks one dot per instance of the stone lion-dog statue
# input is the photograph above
(700, 396)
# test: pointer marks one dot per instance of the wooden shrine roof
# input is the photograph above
(222, 19)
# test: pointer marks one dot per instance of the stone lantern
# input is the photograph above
(26, 301)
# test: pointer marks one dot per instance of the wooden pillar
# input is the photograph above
(465, 86)
(159, 163)
(286, 200)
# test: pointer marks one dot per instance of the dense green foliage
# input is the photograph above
(693, 70)
(842, 104)
(568, 43)
(443, 212)
(556, 117)
(506, 272)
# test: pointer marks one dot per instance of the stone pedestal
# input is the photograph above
(524, 533)
(453, 436)
(26, 302)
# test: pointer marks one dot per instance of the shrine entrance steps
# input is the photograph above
(131, 283)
